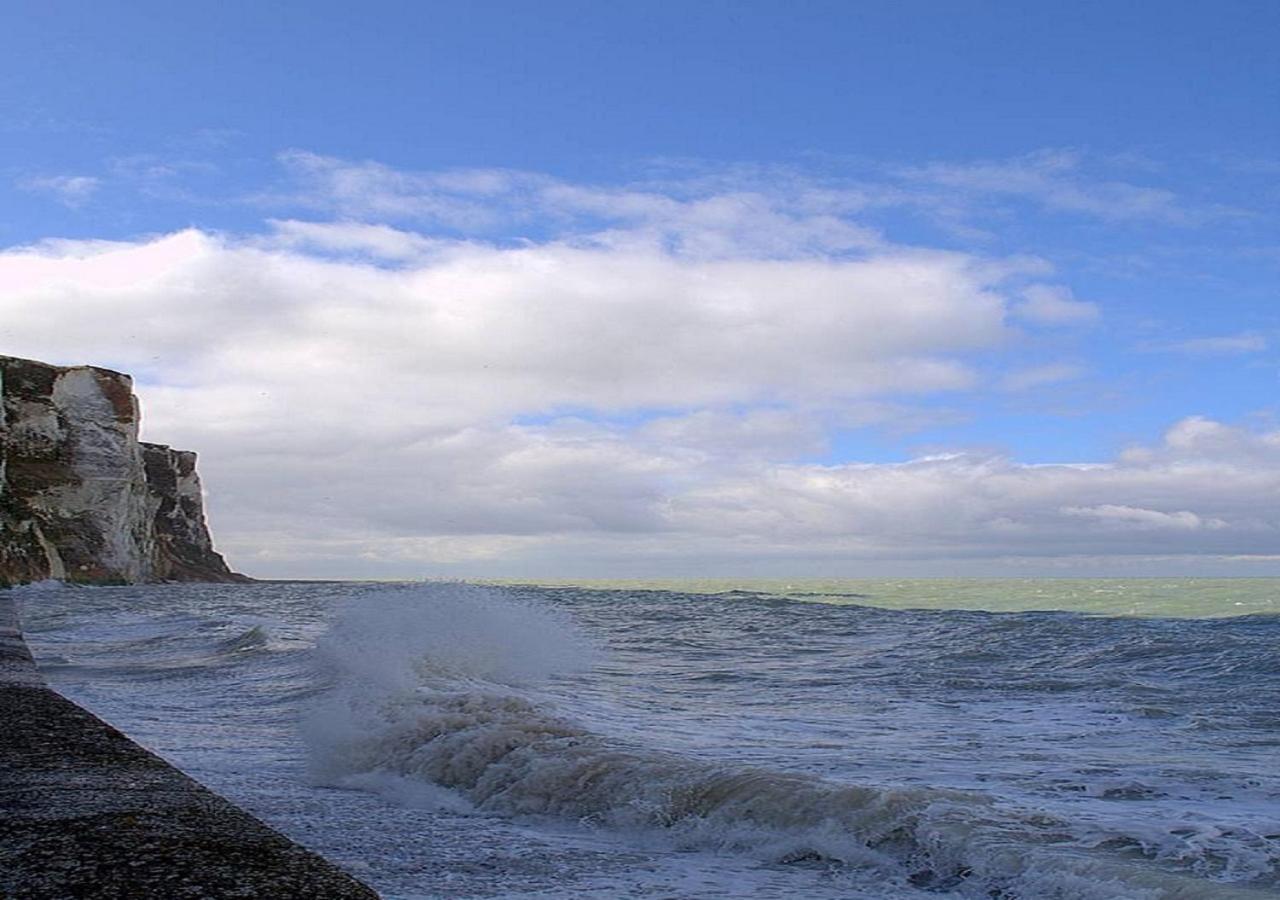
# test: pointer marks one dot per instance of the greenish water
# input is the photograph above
(1172, 597)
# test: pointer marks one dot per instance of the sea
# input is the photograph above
(1052, 738)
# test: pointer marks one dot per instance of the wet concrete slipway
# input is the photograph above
(86, 812)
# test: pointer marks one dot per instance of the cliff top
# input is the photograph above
(6, 360)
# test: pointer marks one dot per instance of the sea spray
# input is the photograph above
(390, 653)
(400, 639)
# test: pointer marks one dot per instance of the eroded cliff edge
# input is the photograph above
(81, 498)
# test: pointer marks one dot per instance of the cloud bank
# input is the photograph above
(651, 380)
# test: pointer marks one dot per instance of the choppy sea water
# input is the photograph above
(447, 740)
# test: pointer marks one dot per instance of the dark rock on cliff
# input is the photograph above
(80, 497)
(183, 550)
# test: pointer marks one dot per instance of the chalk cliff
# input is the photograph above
(81, 498)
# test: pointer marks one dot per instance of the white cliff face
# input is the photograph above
(80, 497)
(110, 490)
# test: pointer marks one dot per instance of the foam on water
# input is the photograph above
(549, 742)
(440, 698)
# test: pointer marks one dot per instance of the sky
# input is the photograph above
(659, 289)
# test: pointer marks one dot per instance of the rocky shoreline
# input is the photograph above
(86, 812)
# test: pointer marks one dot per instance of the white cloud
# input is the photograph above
(1051, 304)
(1136, 517)
(576, 499)
(1056, 179)
(458, 199)
(359, 238)
(958, 505)
(733, 220)
(1041, 376)
(332, 393)
(646, 380)
(72, 191)
(483, 330)
(1219, 345)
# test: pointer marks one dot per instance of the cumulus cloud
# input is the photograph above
(492, 330)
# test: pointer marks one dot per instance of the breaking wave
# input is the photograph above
(440, 697)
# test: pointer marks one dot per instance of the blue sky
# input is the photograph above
(579, 89)
(1087, 191)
